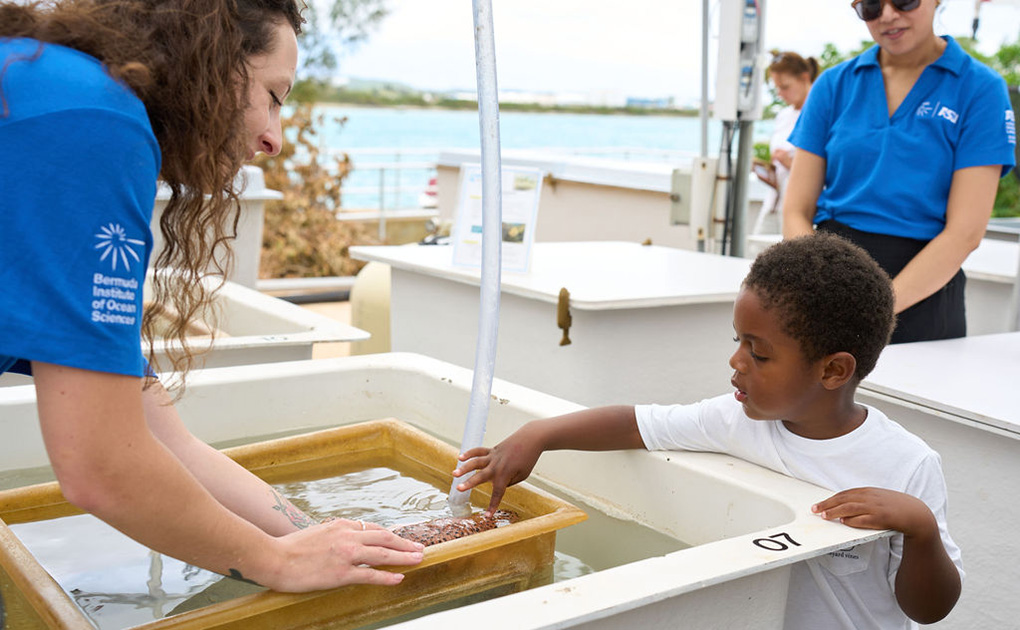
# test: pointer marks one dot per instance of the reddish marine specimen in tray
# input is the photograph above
(444, 529)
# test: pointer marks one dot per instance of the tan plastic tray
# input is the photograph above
(505, 559)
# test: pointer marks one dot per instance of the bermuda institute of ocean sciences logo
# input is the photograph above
(116, 246)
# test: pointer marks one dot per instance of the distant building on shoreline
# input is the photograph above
(601, 98)
(651, 103)
(610, 98)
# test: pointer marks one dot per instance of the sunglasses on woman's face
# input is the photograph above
(869, 10)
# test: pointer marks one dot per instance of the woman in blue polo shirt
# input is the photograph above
(901, 149)
(97, 100)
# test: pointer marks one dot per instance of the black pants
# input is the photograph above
(941, 315)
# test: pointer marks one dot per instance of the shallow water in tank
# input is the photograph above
(119, 583)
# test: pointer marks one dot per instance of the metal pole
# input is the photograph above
(745, 151)
(382, 204)
(397, 186)
(703, 111)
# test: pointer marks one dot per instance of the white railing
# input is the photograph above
(627, 154)
(386, 178)
(390, 178)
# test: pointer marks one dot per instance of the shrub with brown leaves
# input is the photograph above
(302, 237)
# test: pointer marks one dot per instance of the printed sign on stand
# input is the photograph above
(522, 188)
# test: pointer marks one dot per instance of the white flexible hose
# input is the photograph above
(492, 195)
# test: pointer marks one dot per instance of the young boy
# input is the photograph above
(811, 319)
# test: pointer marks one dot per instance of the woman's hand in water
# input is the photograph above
(337, 553)
(507, 463)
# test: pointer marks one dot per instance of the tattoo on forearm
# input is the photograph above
(234, 573)
(294, 515)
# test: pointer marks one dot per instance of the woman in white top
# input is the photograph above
(792, 76)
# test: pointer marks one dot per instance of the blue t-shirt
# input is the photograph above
(78, 170)
(892, 175)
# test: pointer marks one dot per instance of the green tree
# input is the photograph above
(331, 27)
(831, 55)
(1007, 61)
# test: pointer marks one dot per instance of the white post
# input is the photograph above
(492, 195)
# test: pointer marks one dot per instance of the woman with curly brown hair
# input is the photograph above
(98, 100)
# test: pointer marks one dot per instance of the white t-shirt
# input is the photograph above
(782, 127)
(854, 585)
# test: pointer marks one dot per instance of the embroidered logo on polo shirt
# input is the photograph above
(927, 110)
(116, 246)
(1010, 126)
(949, 115)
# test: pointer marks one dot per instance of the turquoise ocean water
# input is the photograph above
(373, 136)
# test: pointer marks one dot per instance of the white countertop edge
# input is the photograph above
(998, 426)
(472, 277)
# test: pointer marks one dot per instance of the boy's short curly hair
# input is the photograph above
(828, 294)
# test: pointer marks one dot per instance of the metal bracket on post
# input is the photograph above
(1014, 306)
(693, 197)
(680, 198)
(563, 318)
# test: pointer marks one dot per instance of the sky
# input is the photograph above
(642, 48)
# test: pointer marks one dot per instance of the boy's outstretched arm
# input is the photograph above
(511, 461)
(927, 583)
